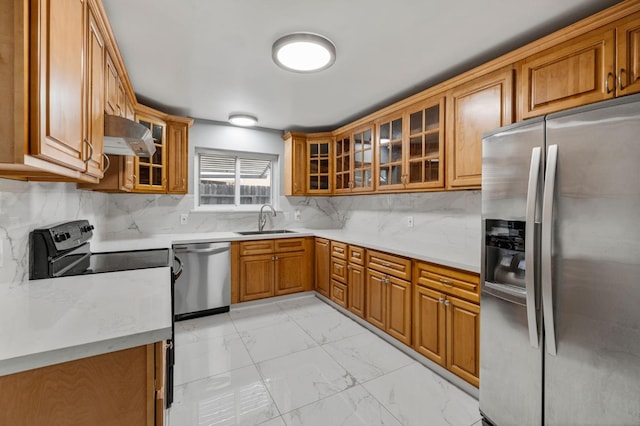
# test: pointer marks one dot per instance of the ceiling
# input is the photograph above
(209, 58)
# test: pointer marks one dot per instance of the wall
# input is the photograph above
(25, 206)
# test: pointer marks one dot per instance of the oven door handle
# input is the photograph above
(62, 271)
(178, 272)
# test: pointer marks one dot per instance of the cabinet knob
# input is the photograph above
(441, 300)
(447, 303)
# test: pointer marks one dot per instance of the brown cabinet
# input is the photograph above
(273, 267)
(474, 108)
(353, 161)
(94, 129)
(356, 280)
(117, 388)
(446, 328)
(151, 172)
(573, 73)
(322, 265)
(178, 155)
(295, 159)
(388, 294)
(319, 170)
(628, 55)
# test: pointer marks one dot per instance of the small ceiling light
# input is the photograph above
(244, 120)
(303, 52)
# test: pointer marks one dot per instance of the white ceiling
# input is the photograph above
(208, 58)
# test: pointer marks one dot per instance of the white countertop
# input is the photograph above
(466, 259)
(45, 322)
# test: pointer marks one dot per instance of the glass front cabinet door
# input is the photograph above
(151, 173)
(319, 164)
(410, 147)
(353, 161)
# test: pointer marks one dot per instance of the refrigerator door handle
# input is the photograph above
(546, 248)
(530, 258)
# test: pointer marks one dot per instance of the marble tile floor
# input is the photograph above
(300, 362)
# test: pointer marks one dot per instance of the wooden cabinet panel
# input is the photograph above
(322, 265)
(375, 294)
(628, 55)
(355, 255)
(399, 309)
(389, 152)
(339, 293)
(256, 277)
(429, 330)
(178, 160)
(110, 389)
(295, 158)
(58, 82)
(353, 161)
(339, 270)
(256, 247)
(151, 173)
(95, 54)
(396, 266)
(577, 72)
(356, 289)
(473, 109)
(318, 165)
(339, 250)
(111, 87)
(449, 280)
(463, 339)
(290, 272)
(283, 245)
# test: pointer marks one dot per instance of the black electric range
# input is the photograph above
(62, 250)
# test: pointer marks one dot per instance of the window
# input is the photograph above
(237, 181)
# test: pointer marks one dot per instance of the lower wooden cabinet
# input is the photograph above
(267, 268)
(388, 304)
(119, 388)
(322, 265)
(339, 293)
(356, 292)
(446, 328)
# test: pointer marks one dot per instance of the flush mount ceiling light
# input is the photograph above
(303, 52)
(244, 120)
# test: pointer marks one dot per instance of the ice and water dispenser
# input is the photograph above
(504, 259)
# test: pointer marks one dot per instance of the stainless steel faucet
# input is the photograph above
(262, 219)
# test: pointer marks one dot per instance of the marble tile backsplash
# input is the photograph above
(444, 218)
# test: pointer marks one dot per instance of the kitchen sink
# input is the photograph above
(270, 231)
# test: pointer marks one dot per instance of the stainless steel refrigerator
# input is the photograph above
(560, 320)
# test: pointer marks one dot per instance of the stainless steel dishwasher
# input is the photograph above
(204, 288)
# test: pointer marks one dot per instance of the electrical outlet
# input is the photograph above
(409, 221)
(296, 215)
(184, 218)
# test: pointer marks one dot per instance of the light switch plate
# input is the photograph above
(409, 221)
(184, 218)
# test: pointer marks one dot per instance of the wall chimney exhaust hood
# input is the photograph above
(126, 137)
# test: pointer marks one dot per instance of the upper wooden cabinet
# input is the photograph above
(573, 73)
(353, 161)
(474, 108)
(151, 172)
(51, 78)
(295, 160)
(178, 155)
(318, 165)
(628, 55)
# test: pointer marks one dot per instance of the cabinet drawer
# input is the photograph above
(256, 247)
(448, 280)
(356, 255)
(389, 264)
(339, 293)
(339, 250)
(339, 270)
(289, 244)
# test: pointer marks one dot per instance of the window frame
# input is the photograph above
(275, 180)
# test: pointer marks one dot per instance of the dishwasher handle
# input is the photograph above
(178, 271)
(214, 250)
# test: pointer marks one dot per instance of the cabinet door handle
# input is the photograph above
(620, 85)
(108, 160)
(447, 303)
(446, 282)
(134, 178)
(86, 160)
(441, 300)
(606, 83)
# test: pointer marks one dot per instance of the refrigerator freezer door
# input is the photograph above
(510, 368)
(594, 379)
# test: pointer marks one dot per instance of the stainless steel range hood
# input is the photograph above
(126, 137)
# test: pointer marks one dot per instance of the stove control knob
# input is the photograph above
(87, 228)
(57, 238)
(67, 235)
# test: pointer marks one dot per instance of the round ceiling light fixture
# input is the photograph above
(244, 120)
(303, 52)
